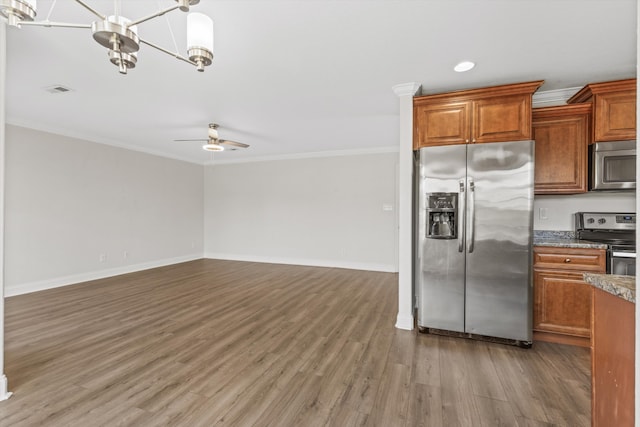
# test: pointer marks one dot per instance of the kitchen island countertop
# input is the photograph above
(621, 286)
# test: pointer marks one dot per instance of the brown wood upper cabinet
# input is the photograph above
(562, 136)
(493, 114)
(614, 109)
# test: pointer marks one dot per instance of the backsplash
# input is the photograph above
(559, 210)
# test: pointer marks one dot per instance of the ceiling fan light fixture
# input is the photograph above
(200, 39)
(18, 10)
(212, 147)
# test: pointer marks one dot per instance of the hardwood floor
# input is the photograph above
(210, 343)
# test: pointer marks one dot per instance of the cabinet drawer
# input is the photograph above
(569, 259)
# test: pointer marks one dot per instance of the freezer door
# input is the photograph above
(498, 286)
(440, 262)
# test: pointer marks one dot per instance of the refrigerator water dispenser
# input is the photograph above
(441, 215)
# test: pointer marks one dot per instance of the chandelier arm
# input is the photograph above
(51, 10)
(154, 15)
(54, 24)
(168, 52)
(90, 9)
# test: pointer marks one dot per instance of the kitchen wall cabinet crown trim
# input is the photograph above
(484, 92)
(586, 93)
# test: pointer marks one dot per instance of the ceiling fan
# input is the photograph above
(214, 143)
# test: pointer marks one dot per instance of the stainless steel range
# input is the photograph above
(618, 231)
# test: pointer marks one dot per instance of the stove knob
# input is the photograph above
(602, 221)
(591, 221)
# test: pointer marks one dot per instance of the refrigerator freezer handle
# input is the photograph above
(461, 214)
(472, 214)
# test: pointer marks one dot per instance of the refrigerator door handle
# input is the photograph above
(461, 215)
(472, 214)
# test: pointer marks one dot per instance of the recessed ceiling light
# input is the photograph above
(464, 66)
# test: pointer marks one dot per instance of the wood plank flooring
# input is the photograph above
(225, 343)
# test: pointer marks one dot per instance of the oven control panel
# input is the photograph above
(605, 221)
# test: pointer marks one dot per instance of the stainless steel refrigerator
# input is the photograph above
(474, 238)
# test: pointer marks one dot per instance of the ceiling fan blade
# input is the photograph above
(233, 143)
(190, 140)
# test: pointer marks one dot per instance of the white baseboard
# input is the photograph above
(386, 268)
(404, 321)
(4, 388)
(25, 288)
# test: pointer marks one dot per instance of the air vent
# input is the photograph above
(57, 89)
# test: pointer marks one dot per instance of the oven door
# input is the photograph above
(622, 262)
(613, 165)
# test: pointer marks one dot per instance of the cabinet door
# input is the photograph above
(562, 142)
(501, 118)
(562, 303)
(444, 123)
(612, 361)
(615, 116)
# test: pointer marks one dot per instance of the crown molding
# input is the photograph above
(104, 141)
(550, 98)
(407, 89)
(313, 155)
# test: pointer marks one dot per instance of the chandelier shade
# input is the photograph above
(200, 39)
(199, 31)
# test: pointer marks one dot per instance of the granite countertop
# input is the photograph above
(621, 286)
(563, 239)
(568, 243)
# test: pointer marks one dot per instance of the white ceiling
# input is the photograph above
(302, 76)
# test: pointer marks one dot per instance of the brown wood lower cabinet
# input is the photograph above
(562, 300)
(612, 361)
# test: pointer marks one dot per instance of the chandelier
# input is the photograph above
(120, 35)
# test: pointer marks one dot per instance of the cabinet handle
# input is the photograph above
(567, 260)
(466, 140)
(474, 140)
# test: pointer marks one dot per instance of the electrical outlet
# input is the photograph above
(543, 213)
(125, 255)
(103, 258)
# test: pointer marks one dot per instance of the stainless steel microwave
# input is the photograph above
(612, 166)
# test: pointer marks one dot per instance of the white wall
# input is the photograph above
(68, 201)
(325, 211)
(560, 209)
